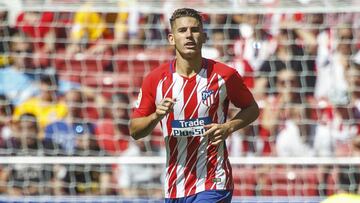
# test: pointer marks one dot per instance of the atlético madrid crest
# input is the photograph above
(207, 97)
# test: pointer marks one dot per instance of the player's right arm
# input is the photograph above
(142, 126)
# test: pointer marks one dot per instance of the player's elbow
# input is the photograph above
(135, 136)
(134, 131)
(255, 112)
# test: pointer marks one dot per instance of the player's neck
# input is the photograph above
(188, 68)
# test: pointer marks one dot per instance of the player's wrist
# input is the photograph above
(228, 128)
(156, 117)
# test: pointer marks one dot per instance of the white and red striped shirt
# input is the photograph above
(193, 164)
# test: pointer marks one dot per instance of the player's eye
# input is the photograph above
(195, 29)
(182, 29)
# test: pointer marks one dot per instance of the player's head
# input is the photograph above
(187, 34)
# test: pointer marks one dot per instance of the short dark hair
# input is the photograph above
(185, 12)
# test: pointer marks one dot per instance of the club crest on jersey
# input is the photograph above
(207, 97)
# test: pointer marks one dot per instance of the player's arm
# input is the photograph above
(243, 118)
(143, 126)
(242, 98)
(219, 132)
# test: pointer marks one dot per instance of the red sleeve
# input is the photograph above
(145, 104)
(237, 92)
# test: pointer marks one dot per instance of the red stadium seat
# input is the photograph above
(69, 76)
(244, 181)
(81, 63)
(276, 183)
(136, 67)
(91, 112)
(307, 181)
(110, 138)
(291, 182)
(139, 61)
(331, 182)
(110, 83)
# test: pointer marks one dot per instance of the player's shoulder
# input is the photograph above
(221, 68)
(159, 72)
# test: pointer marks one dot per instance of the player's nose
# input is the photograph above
(188, 33)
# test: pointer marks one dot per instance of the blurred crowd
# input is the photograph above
(68, 81)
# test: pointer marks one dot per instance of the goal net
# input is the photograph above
(71, 72)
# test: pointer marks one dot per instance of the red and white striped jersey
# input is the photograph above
(193, 164)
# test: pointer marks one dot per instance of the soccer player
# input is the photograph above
(190, 96)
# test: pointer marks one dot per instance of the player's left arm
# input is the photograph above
(217, 133)
(241, 97)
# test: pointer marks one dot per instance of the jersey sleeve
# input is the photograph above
(145, 104)
(237, 91)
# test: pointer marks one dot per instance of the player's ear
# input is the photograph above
(171, 39)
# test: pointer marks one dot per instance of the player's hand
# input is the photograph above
(164, 107)
(217, 133)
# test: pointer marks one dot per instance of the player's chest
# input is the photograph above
(198, 93)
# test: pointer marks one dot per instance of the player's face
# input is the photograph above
(187, 36)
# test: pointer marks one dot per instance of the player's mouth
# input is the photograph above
(190, 45)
